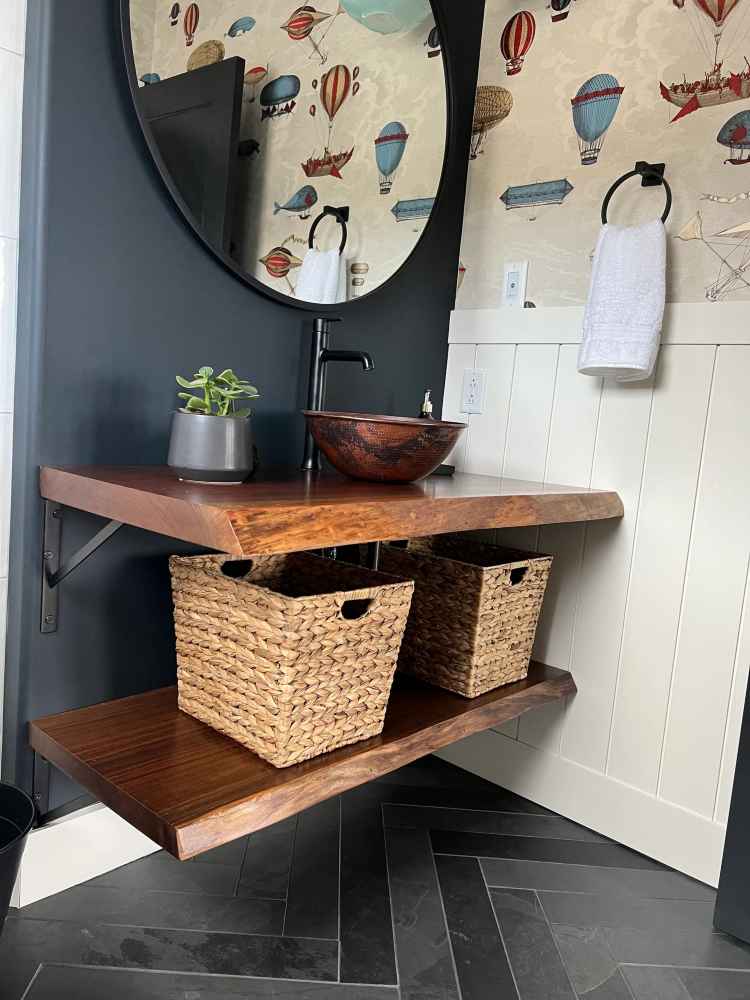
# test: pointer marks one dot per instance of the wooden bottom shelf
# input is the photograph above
(191, 789)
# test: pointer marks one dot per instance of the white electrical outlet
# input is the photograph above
(515, 276)
(473, 391)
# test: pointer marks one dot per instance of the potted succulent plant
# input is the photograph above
(211, 439)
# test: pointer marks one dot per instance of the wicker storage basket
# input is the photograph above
(292, 655)
(474, 613)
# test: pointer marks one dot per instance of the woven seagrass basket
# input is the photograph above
(474, 613)
(291, 655)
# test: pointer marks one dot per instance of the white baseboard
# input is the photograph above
(681, 839)
(74, 849)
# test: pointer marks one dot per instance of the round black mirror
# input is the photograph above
(304, 145)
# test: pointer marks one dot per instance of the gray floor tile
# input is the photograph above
(423, 955)
(569, 852)
(265, 871)
(228, 854)
(687, 946)
(481, 961)
(162, 871)
(476, 821)
(499, 799)
(367, 948)
(532, 951)
(29, 942)
(589, 910)
(587, 957)
(187, 911)
(313, 900)
(607, 881)
(81, 983)
(615, 988)
(649, 982)
(715, 984)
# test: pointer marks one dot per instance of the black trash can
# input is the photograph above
(16, 819)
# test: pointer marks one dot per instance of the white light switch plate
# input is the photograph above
(473, 391)
(515, 276)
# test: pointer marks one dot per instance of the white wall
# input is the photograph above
(12, 25)
(650, 614)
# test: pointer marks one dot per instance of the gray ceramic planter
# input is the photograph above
(211, 449)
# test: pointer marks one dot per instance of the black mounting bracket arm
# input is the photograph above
(54, 569)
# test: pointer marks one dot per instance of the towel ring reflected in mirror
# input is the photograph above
(652, 175)
(250, 152)
(341, 215)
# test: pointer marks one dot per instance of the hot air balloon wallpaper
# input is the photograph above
(731, 245)
(493, 105)
(716, 29)
(240, 27)
(390, 147)
(516, 40)
(206, 54)
(594, 109)
(413, 208)
(278, 97)
(174, 14)
(335, 88)
(253, 78)
(279, 262)
(301, 24)
(359, 271)
(433, 43)
(190, 23)
(387, 17)
(300, 204)
(735, 135)
(559, 10)
(541, 193)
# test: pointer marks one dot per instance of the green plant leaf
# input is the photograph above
(205, 372)
(197, 405)
(187, 384)
(240, 413)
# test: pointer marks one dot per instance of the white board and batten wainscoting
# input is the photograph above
(651, 613)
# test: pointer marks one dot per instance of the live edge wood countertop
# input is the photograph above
(293, 511)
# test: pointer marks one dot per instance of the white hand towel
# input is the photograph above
(320, 277)
(625, 308)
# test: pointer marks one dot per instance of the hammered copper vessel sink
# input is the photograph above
(383, 449)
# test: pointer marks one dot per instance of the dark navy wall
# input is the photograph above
(116, 296)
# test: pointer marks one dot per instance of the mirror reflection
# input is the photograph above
(307, 142)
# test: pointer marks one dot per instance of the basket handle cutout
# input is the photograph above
(237, 569)
(517, 575)
(355, 609)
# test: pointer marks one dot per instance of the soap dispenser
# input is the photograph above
(426, 412)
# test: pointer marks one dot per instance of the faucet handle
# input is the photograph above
(321, 323)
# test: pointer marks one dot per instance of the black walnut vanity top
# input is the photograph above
(294, 511)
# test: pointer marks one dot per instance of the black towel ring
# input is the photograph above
(341, 215)
(652, 175)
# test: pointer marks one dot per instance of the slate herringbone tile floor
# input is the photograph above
(430, 884)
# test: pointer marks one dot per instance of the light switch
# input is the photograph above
(514, 282)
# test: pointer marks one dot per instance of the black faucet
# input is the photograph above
(320, 355)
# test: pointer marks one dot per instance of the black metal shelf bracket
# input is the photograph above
(40, 787)
(54, 569)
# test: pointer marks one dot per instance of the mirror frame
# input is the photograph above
(224, 258)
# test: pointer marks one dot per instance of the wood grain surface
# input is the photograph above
(190, 789)
(295, 511)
